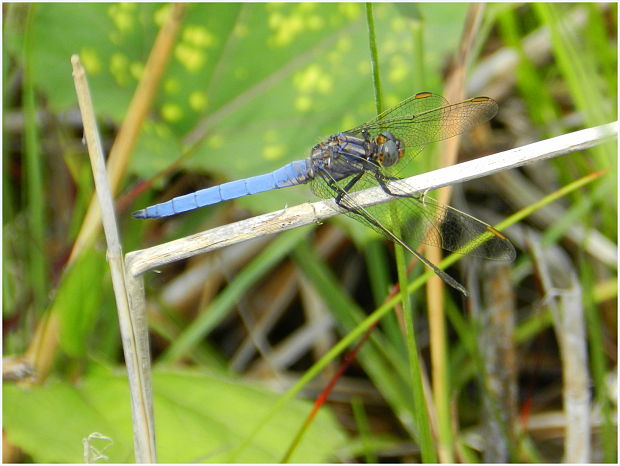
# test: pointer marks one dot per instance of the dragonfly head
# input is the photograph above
(389, 149)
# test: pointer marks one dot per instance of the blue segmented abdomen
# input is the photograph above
(292, 174)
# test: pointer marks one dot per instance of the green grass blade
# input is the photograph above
(380, 283)
(578, 68)
(420, 414)
(34, 181)
(363, 427)
(541, 105)
(374, 58)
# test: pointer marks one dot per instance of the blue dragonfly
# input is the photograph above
(374, 154)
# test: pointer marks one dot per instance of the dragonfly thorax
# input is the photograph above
(341, 155)
(347, 154)
(389, 149)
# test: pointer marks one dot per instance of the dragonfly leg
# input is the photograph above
(381, 179)
(344, 191)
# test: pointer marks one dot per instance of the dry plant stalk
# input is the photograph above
(563, 295)
(132, 321)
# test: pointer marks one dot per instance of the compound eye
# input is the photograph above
(389, 160)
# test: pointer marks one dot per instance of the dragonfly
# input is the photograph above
(375, 154)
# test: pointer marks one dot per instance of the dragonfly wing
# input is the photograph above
(415, 219)
(425, 118)
(414, 105)
(425, 220)
(375, 217)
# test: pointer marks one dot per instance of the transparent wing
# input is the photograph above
(420, 219)
(427, 221)
(425, 118)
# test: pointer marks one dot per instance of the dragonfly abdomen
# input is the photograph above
(292, 174)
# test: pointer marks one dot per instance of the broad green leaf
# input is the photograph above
(199, 418)
(50, 422)
(113, 41)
